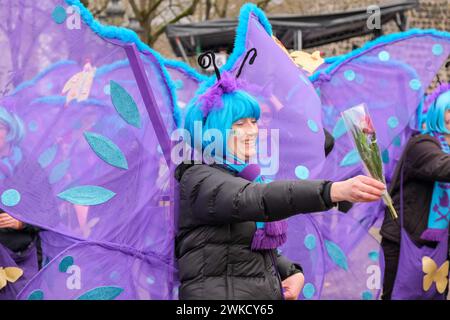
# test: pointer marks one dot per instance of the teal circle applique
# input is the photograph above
(309, 290)
(313, 126)
(437, 49)
(310, 241)
(367, 295)
(373, 255)
(415, 84)
(349, 75)
(10, 197)
(384, 56)
(302, 172)
(59, 15)
(393, 122)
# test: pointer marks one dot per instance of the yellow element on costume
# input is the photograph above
(282, 47)
(308, 62)
(10, 274)
(433, 274)
(79, 85)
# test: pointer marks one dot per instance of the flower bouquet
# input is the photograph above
(359, 125)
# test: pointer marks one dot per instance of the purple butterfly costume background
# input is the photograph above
(121, 247)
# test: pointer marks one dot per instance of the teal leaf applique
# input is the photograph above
(350, 159)
(47, 156)
(336, 254)
(59, 171)
(106, 150)
(87, 195)
(65, 263)
(101, 293)
(125, 105)
(339, 129)
(36, 295)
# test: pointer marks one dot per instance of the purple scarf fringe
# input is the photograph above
(271, 236)
(434, 234)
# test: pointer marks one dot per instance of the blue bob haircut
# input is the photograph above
(436, 114)
(16, 129)
(235, 106)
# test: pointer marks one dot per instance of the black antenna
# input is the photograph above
(252, 59)
(437, 75)
(206, 64)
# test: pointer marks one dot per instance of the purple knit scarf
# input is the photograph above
(268, 235)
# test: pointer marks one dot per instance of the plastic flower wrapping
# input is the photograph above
(360, 127)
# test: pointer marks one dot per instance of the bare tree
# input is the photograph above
(155, 15)
(221, 8)
(96, 7)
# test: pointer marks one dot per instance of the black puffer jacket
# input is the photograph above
(216, 224)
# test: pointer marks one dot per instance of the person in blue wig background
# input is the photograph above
(19, 240)
(425, 164)
(231, 219)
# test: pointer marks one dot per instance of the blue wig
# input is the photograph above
(436, 114)
(16, 129)
(235, 105)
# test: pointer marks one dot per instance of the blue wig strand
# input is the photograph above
(436, 114)
(16, 129)
(235, 106)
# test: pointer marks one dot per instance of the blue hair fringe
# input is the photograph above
(15, 125)
(435, 118)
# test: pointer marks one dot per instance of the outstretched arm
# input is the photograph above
(216, 197)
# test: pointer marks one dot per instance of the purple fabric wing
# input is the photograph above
(186, 82)
(90, 165)
(289, 104)
(26, 261)
(390, 75)
(90, 271)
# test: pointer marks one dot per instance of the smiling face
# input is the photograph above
(242, 139)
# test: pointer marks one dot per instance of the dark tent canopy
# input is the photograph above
(294, 31)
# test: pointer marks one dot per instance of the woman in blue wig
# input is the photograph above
(18, 239)
(417, 245)
(12, 234)
(231, 220)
